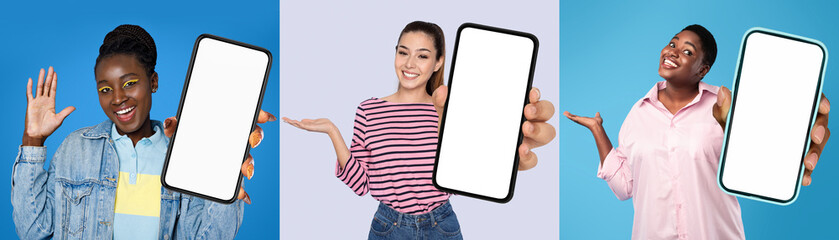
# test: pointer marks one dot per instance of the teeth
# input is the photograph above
(410, 75)
(124, 111)
(670, 63)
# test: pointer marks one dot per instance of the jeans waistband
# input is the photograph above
(400, 218)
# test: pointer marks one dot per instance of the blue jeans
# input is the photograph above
(440, 223)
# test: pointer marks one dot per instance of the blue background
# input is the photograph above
(67, 35)
(609, 59)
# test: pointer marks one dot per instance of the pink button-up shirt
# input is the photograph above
(667, 163)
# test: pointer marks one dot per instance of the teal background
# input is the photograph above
(609, 59)
(67, 35)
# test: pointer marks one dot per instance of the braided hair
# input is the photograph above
(131, 40)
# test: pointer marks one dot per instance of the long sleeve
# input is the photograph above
(615, 168)
(354, 174)
(32, 194)
(204, 219)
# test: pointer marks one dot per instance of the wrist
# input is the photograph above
(31, 141)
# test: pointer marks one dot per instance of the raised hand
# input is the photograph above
(41, 119)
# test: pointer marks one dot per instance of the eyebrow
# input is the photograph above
(686, 42)
(121, 77)
(406, 48)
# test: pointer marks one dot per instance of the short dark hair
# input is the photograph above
(131, 40)
(709, 44)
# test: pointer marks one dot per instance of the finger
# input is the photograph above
(812, 157)
(29, 90)
(39, 90)
(573, 117)
(720, 109)
(66, 112)
(824, 105)
(244, 196)
(265, 117)
(527, 159)
(169, 126)
(534, 95)
(820, 130)
(539, 111)
(54, 84)
(808, 179)
(48, 82)
(247, 167)
(256, 136)
(537, 134)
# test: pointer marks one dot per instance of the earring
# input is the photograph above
(154, 90)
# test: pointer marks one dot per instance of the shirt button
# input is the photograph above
(133, 155)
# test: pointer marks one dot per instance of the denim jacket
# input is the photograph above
(74, 199)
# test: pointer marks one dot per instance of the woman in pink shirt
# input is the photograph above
(669, 148)
(395, 141)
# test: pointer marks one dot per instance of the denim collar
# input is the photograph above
(103, 130)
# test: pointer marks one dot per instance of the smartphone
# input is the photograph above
(219, 105)
(480, 130)
(777, 89)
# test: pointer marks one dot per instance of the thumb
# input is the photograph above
(169, 126)
(722, 106)
(66, 112)
(439, 99)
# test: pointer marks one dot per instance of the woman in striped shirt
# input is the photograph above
(395, 141)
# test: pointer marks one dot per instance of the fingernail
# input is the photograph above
(531, 110)
(811, 161)
(528, 128)
(819, 134)
(247, 199)
(250, 171)
(825, 105)
(271, 117)
(538, 94)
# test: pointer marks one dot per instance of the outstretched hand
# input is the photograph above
(537, 132)
(255, 138)
(41, 118)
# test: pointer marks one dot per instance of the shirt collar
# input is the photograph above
(704, 88)
(156, 137)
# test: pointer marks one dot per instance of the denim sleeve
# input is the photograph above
(32, 194)
(204, 219)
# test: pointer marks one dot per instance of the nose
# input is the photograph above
(669, 52)
(411, 62)
(119, 97)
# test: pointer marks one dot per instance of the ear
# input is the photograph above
(153, 79)
(703, 70)
(439, 63)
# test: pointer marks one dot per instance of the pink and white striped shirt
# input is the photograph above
(667, 163)
(392, 155)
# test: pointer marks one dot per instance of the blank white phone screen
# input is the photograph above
(484, 112)
(216, 117)
(776, 93)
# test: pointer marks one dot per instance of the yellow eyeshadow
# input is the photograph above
(100, 89)
(129, 81)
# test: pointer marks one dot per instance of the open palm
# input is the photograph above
(41, 119)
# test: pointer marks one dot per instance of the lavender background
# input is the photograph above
(336, 54)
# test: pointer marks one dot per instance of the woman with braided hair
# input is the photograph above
(104, 180)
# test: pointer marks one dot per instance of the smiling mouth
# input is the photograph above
(125, 114)
(670, 63)
(409, 75)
